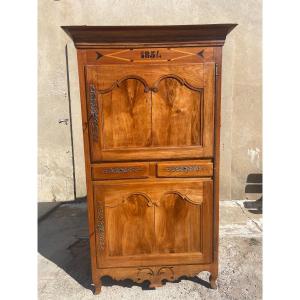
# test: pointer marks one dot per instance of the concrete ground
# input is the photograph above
(64, 265)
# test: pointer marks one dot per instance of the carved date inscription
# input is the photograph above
(150, 54)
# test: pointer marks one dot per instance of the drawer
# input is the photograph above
(120, 171)
(188, 168)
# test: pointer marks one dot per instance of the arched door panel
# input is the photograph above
(153, 221)
(158, 112)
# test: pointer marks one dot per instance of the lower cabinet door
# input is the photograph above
(144, 223)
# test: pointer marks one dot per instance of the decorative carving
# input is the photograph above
(119, 170)
(113, 55)
(154, 89)
(143, 55)
(93, 112)
(100, 224)
(182, 81)
(144, 274)
(150, 54)
(201, 53)
(98, 55)
(163, 270)
(184, 197)
(183, 168)
(155, 275)
(150, 202)
(117, 83)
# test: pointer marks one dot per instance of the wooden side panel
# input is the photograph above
(218, 60)
(126, 116)
(176, 115)
(81, 59)
(209, 104)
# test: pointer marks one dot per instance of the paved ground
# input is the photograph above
(64, 266)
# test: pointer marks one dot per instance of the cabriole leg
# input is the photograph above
(213, 281)
(98, 286)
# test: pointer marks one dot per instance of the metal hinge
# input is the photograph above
(217, 70)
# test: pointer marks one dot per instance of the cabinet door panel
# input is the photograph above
(150, 112)
(126, 116)
(177, 114)
(177, 224)
(153, 222)
(130, 227)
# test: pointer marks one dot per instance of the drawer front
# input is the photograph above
(120, 171)
(185, 169)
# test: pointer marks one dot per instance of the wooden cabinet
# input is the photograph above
(151, 123)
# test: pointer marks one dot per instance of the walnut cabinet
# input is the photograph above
(150, 98)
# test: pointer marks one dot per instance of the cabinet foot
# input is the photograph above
(213, 281)
(97, 288)
(155, 284)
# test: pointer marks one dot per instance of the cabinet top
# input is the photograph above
(139, 36)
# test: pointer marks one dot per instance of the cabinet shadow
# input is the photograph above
(63, 240)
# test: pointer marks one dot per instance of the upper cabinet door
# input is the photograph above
(150, 111)
(177, 114)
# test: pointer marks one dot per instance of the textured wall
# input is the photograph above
(241, 91)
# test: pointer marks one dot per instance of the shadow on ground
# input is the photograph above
(63, 239)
